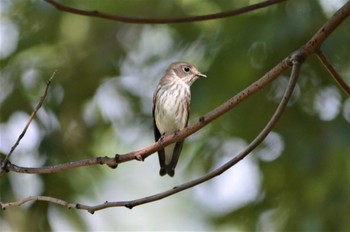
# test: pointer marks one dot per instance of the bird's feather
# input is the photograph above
(171, 106)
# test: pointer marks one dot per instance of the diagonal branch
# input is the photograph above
(342, 84)
(312, 46)
(144, 153)
(262, 135)
(40, 103)
(296, 60)
(136, 20)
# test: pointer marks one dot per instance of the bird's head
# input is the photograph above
(186, 72)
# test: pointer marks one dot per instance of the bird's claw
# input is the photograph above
(160, 140)
(176, 132)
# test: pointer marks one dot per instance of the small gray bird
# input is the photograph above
(171, 110)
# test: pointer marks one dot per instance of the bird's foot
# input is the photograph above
(176, 132)
(160, 140)
(139, 158)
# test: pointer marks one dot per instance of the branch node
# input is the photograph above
(4, 164)
(91, 211)
(77, 206)
(129, 205)
(112, 166)
(296, 58)
(99, 160)
(201, 119)
(116, 161)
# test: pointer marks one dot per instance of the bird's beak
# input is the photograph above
(201, 75)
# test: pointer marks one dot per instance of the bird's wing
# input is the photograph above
(157, 135)
(170, 169)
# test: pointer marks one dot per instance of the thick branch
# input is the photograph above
(212, 174)
(136, 20)
(312, 46)
(223, 168)
(144, 153)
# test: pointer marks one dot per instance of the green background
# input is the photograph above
(100, 101)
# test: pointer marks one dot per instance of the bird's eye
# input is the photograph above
(186, 69)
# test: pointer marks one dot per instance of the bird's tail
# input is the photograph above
(167, 169)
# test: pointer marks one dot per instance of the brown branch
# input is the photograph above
(37, 198)
(144, 153)
(42, 98)
(130, 204)
(136, 20)
(342, 84)
(312, 46)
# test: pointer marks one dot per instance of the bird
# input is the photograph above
(171, 110)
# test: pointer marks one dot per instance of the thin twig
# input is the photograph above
(342, 84)
(130, 204)
(136, 20)
(38, 198)
(111, 162)
(42, 98)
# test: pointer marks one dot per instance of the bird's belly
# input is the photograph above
(172, 115)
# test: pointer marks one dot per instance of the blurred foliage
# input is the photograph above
(100, 104)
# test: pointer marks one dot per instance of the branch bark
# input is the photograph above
(144, 153)
(342, 84)
(312, 46)
(130, 204)
(295, 60)
(135, 20)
